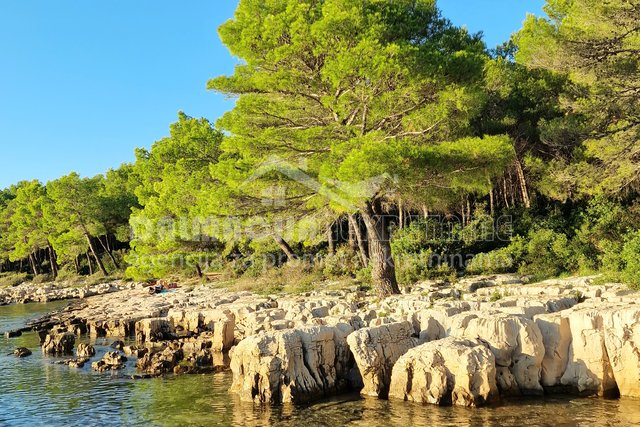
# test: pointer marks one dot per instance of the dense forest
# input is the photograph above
(372, 140)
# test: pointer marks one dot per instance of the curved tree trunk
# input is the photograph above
(359, 239)
(285, 247)
(108, 250)
(95, 255)
(34, 267)
(383, 270)
(53, 262)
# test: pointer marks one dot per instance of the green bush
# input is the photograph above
(412, 268)
(548, 253)
(543, 253)
(503, 260)
(630, 257)
(344, 262)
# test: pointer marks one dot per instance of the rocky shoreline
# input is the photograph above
(57, 291)
(466, 344)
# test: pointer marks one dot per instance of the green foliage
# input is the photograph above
(503, 260)
(381, 109)
(397, 109)
(596, 45)
(10, 279)
(173, 182)
(496, 295)
(548, 254)
(630, 257)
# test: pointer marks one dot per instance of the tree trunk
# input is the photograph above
(108, 251)
(285, 247)
(425, 211)
(400, 215)
(359, 239)
(77, 263)
(89, 262)
(199, 271)
(504, 192)
(491, 202)
(95, 255)
(330, 240)
(32, 261)
(383, 270)
(523, 184)
(352, 235)
(52, 261)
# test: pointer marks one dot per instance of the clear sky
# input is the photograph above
(82, 83)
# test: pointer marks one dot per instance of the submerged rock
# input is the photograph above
(22, 352)
(85, 350)
(112, 360)
(448, 371)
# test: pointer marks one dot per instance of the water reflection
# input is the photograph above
(36, 392)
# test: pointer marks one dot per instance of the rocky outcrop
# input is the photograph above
(375, 351)
(448, 371)
(516, 343)
(622, 342)
(29, 292)
(588, 369)
(162, 362)
(556, 338)
(292, 366)
(58, 342)
(85, 350)
(155, 329)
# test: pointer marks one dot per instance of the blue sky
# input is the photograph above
(82, 83)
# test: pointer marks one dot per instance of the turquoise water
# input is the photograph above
(36, 392)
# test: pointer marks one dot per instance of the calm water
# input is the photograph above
(33, 391)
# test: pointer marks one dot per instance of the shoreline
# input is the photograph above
(508, 337)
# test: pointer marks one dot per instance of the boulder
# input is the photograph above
(448, 371)
(295, 365)
(516, 343)
(161, 362)
(134, 350)
(375, 351)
